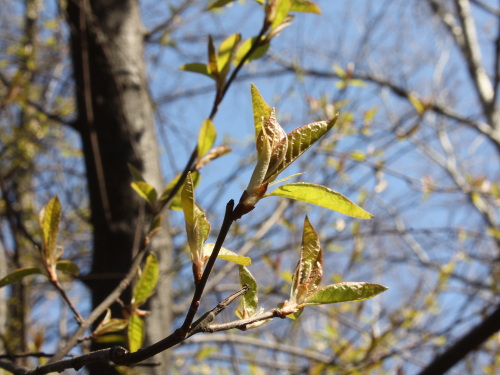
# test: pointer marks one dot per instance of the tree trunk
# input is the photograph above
(115, 120)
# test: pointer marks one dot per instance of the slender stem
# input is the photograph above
(63, 294)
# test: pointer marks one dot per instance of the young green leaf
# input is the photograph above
(305, 6)
(218, 4)
(226, 52)
(309, 270)
(261, 110)
(19, 274)
(256, 54)
(147, 281)
(135, 332)
(250, 300)
(295, 144)
(176, 201)
(136, 174)
(145, 191)
(344, 292)
(50, 216)
(67, 266)
(197, 68)
(320, 196)
(206, 137)
(212, 59)
(281, 13)
(108, 325)
(226, 254)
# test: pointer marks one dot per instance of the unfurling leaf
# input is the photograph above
(67, 266)
(176, 201)
(344, 292)
(250, 300)
(261, 110)
(197, 226)
(108, 325)
(213, 154)
(320, 196)
(309, 270)
(146, 191)
(19, 274)
(147, 281)
(256, 54)
(135, 332)
(206, 137)
(50, 217)
(226, 254)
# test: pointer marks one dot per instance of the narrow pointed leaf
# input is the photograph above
(146, 191)
(250, 300)
(67, 266)
(108, 325)
(256, 54)
(135, 332)
(18, 274)
(305, 6)
(197, 68)
(219, 4)
(212, 58)
(206, 137)
(176, 201)
(344, 292)
(261, 110)
(226, 52)
(296, 143)
(285, 179)
(49, 221)
(136, 174)
(226, 254)
(320, 196)
(147, 282)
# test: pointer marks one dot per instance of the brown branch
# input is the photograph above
(65, 297)
(477, 336)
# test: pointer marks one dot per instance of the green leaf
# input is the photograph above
(18, 274)
(146, 191)
(282, 9)
(344, 292)
(309, 270)
(219, 4)
(212, 58)
(295, 144)
(176, 201)
(197, 68)
(285, 179)
(147, 281)
(226, 254)
(67, 266)
(305, 6)
(206, 137)
(320, 196)
(226, 53)
(256, 54)
(135, 332)
(250, 300)
(108, 325)
(136, 174)
(261, 110)
(50, 216)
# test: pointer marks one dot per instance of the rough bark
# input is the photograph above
(115, 120)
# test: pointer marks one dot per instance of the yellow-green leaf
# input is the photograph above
(417, 103)
(282, 9)
(197, 68)
(67, 266)
(49, 221)
(250, 300)
(147, 281)
(108, 325)
(320, 196)
(206, 137)
(257, 52)
(18, 274)
(295, 144)
(212, 58)
(135, 332)
(305, 6)
(344, 292)
(226, 254)
(261, 110)
(226, 53)
(146, 191)
(136, 174)
(176, 201)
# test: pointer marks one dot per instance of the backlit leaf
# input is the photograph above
(344, 292)
(176, 201)
(50, 216)
(250, 300)
(197, 68)
(261, 110)
(219, 4)
(67, 266)
(226, 52)
(212, 58)
(135, 332)
(226, 254)
(320, 196)
(146, 191)
(282, 9)
(206, 137)
(305, 6)
(18, 274)
(147, 281)
(256, 54)
(108, 325)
